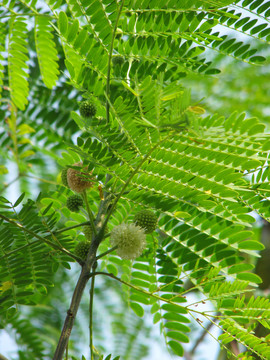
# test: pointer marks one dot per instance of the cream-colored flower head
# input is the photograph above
(75, 180)
(130, 240)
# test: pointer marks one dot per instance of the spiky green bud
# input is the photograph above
(81, 249)
(147, 220)
(87, 109)
(74, 202)
(118, 60)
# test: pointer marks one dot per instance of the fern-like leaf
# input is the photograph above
(46, 51)
(17, 61)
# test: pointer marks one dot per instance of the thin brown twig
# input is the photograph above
(89, 212)
(71, 227)
(2, 357)
(109, 62)
(76, 299)
(91, 302)
(106, 252)
(202, 336)
(10, 183)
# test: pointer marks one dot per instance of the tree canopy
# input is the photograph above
(134, 167)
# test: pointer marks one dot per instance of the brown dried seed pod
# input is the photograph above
(76, 181)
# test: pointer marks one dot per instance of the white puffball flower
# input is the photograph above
(130, 240)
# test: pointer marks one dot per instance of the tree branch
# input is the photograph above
(89, 212)
(71, 227)
(76, 299)
(201, 337)
(106, 252)
(109, 62)
(91, 311)
(10, 183)
(2, 357)
(129, 180)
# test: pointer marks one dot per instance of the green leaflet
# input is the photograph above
(46, 51)
(2, 48)
(137, 309)
(63, 23)
(17, 61)
(251, 342)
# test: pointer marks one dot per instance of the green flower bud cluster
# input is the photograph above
(87, 109)
(118, 60)
(81, 249)
(147, 220)
(74, 202)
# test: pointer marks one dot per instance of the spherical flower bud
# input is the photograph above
(147, 220)
(87, 109)
(118, 60)
(130, 240)
(74, 202)
(81, 249)
(64, 177)
(76, 181)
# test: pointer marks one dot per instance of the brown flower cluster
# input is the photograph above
(77, 180)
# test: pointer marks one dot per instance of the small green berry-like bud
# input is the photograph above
(81, 249)
(118, 60)
(87, 109)
(147, 220)
(74, 202)
(87, 230)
